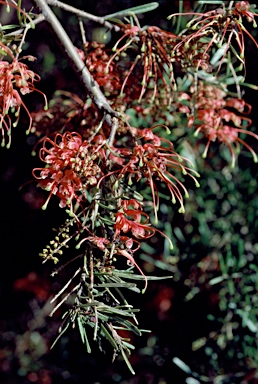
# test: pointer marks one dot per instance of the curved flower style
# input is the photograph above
(71, 167)
(152, 158)
(153, 52)
(66, 112)
(126, 249)
(15, 80)
(131, 218)
(217, 26)
(215, 118)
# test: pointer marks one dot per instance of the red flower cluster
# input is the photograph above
(66, 111)
(191, 54)
(153, 157)
(153, 47)
(90, 174)
(216, 27)
(15, 80)
(218, 118)
(129, 218)
(72, 166)
(96, 61)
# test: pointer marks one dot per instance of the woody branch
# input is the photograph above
(89, 83)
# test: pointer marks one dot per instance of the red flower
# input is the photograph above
(153, 158)
(15, 80)
(225, 19)
(124, 225)
(132, 218)
(217, 122)
(71, 167)
(153, 47)
(96, 61)
(242, 8)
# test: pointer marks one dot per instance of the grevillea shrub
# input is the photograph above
(156, 106)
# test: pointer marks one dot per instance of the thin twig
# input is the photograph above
(36, 21)
(19, 49)
(64, 299)
(83, 14)
(113, 131)
(91, 271)
(83, 35)
(96, 323)
(65, 286)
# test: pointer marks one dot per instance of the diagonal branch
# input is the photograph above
(90, 84)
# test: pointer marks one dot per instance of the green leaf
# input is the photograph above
(103, 317)
(130, 326)
(111, 310)
(108, 336)
(222, 264)
(128, 345)
(9, 26)
(61, 333)
(232, 80)
(140, 277)
(81, 329)
(83, 334)
(115, 285)
(246, 321)
(127, 362)
(219, 54)
(134, 10)
(191, 380)
(231, 287)
(251, 325)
